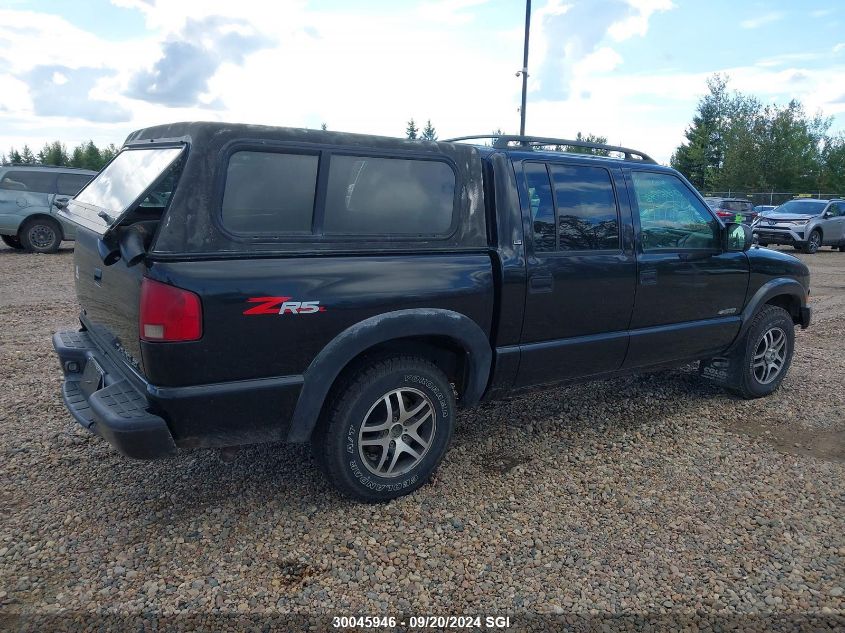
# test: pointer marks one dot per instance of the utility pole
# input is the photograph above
(524, 71)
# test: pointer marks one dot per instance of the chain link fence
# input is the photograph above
(770, 197)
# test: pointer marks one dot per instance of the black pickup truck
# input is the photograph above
(244, 284)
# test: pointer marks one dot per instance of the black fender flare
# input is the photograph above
(769, 290)
(358, 338)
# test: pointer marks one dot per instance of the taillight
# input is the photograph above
(725, 214)
(168, 314)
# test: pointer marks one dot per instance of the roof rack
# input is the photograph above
(529, 142)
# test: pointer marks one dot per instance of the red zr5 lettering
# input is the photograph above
(282, 305)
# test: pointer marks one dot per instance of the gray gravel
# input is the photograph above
(656, 497)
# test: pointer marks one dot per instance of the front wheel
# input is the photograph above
(766, 353)
(386, 429)
(11, 241)
(814, 241)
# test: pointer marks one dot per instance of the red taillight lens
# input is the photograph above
(168, 314)
(725, 214)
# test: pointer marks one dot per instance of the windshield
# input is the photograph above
(804, 207)
(117, 187)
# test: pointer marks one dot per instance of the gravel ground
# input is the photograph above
(650, 501)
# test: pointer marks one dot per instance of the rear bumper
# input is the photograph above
(116, 410)
(146, 421)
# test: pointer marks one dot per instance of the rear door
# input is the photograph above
(581, 274)
(690, 291)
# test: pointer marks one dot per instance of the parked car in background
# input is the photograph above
(805, 223)
(729, 208)
(760, 208)
(28, 217)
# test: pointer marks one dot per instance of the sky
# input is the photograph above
(629, 70)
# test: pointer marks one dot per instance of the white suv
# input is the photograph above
(806, 223)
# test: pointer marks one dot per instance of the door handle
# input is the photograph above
(541, 283)
(648, 277)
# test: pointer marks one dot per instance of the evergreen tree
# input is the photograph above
(91, 157)
(15, 157)
(27, 156)
(106, 154)
(412, 130)
(429, 133)
(77, 157)
(54, 153)
(700, 157)
(323, 126)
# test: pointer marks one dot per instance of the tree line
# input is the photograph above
(85, 155)
(737, 143)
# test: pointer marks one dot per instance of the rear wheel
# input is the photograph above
(766, 353)
(11, 241)
(386, 429)
(41, 235)
(814, 241)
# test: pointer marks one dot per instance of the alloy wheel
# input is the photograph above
(397, 432)
(769, 356)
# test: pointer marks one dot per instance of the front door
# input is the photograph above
(833, 227)
(690, 291)
(581, 273)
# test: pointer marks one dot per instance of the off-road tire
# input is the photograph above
(812, 245)
(769, 318)
(336, 442)
(45, 228)
(12, 241)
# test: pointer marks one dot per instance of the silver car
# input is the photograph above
(28, 218)
(805, 223)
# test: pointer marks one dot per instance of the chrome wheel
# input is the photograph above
(41, 236)
(769, 356)
(397, 432)
(815, 241)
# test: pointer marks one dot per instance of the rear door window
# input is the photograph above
(542, 207)
(32, 181)
(71, 184)
(587, 217)
(389, 196)
(270, 192)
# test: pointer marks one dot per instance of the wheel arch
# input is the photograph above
(785, 293)
(453, 341)
(41, 215)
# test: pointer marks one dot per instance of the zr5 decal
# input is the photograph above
(282, 305)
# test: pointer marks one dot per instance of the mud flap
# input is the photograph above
(723, 370)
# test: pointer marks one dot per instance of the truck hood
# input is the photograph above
(786, 217)
(771, 263)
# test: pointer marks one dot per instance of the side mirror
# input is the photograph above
(738, 237)
(60, 203)
(827, 214)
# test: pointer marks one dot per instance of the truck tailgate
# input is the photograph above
(109, 297)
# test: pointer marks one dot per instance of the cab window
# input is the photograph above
(671, 217)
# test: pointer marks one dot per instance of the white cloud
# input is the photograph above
(821, 13)
(839, 47)
(762, 20)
